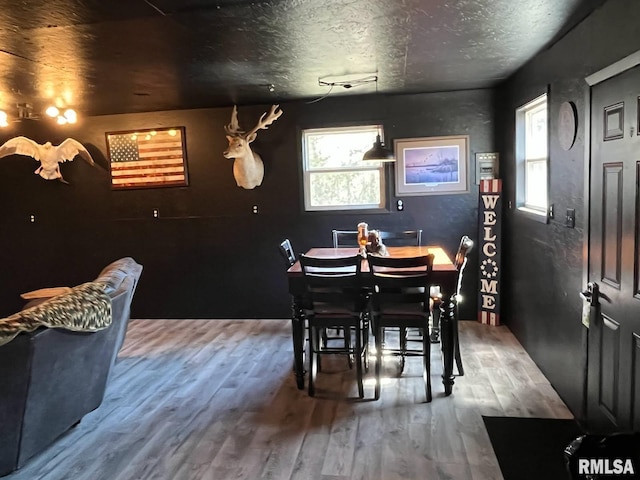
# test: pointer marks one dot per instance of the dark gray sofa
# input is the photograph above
(51, 377)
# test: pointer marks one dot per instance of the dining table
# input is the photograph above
(444, 276)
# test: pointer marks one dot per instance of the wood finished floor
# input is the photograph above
(216, 399)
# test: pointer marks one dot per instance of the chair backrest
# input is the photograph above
(466, 244)
(287, 252)
(345, 238)
(401, 280)
(332, 280)
(401, 239)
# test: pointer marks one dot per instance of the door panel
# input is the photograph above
(613, 379)
(612, 222)
(636, 275)
(609, 360)
(635, 386)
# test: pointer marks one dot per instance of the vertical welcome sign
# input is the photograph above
(490, 214)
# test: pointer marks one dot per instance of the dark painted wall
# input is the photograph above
(543, 264)
(208, 256)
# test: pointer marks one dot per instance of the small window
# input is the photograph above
(335, 176)
(532, 157)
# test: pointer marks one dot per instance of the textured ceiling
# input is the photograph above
(124, 56)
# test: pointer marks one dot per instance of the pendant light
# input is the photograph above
(379, 152)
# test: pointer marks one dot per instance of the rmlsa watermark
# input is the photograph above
(605, 466)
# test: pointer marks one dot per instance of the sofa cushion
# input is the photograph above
(87, 308)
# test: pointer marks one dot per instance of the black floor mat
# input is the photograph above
(531, 448)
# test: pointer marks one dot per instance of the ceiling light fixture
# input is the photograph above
(25, 112)
(347, 81)
(52, 111)
(69, 115)
(379, 152)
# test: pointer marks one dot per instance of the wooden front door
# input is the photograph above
(613, 392)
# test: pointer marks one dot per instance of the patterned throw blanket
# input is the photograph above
(87, 308)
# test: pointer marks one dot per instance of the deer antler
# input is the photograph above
(263, 123)
(233, 128)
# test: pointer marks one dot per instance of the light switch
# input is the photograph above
(570, 221)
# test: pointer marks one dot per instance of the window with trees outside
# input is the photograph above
(335, 176)
(532, 157)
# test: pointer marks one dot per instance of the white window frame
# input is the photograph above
(523, 162)
(366, 166)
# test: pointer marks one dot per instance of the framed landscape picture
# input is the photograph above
(432, 165)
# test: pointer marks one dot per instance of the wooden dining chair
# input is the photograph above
(405, 238)
(460, 261)
(336, 301)
(400, 299)
(341, 238)
(287, 252)
(400, 239)
(345, 238)
(289, 256)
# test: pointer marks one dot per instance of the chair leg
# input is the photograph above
(314, 346)
(456, 348)
(435, 322)
(403, 347)
(347, 344)
(378, 367)
(426, 363)
(358, 359)
(365, 343)
(319, 345)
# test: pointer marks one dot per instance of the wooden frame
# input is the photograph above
(614, 122)
(567, 125)
(432, 165)
(147, 158)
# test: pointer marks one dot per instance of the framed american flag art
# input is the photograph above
(147, 158)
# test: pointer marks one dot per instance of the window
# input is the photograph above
(532, 157)
(335, 176)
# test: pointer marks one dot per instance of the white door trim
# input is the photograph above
(614, 69)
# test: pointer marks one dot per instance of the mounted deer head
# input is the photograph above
(248, 169)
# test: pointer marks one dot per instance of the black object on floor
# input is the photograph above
(617, 452)
(531, 448)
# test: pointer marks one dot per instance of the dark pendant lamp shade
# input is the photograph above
(379, 152)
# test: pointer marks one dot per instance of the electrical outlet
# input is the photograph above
(570, 219)
(32, 219)
(255, 209)
(156, 213)
(551, 210)
(399, 205)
